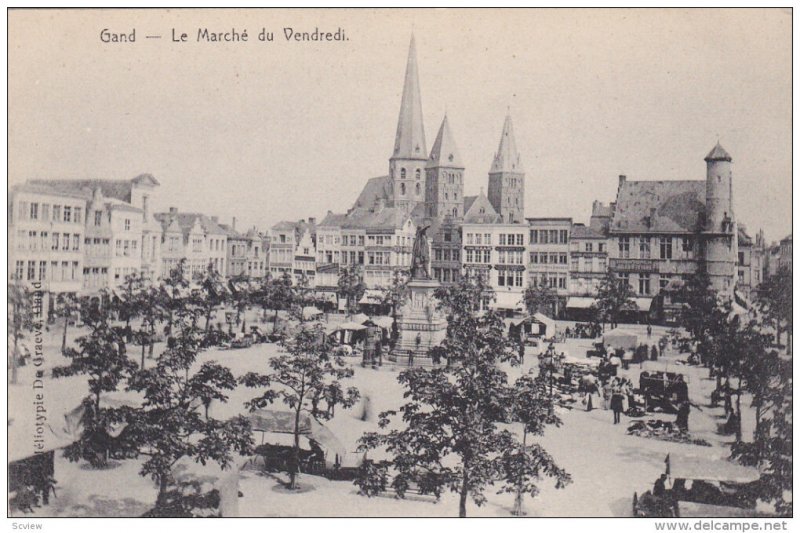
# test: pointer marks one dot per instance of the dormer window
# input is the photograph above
(402, 173)
(418, 174)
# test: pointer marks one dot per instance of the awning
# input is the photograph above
(360, 318)
(326, 296)
(372, 297)
(350, 326)
(384, 322)
(310, 311)
(579, 302)
(643, 304)
(507, 300)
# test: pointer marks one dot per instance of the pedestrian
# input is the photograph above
(649, 331)
(521, 350)
(682, 420)
(607, 395)
(616, 402)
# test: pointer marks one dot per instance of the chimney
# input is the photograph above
(233, 224)
(173, 210)
(312, 221)
(622, 178)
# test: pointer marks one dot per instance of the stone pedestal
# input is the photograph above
(420, 325)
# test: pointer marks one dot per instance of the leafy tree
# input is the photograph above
(67, 306)
(299, 376)
(776, 439)
(699, 302)
(541, 298)
(241, 295)
(169, 425)
(21, 318)
(452, 437)
(523, 463)
(125, 300)
(211, 295)
(351, 286)
(775, 303)
(614, 295)
(174, 293)
(102, 357)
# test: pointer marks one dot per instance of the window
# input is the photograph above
(624, 247)
(644, 247)
(574, 264)
(534, 258)
(470, 238)
(663, 281)
(601, 247)
(78, 215)
(562, 282)
(665, 244)
(45, 211)
(34, 211)
(65, 242)
(487, 256)
(361, 240)
(417, 175)
(19, 270)
(55, 242)
(563, 236)
(67, 213)
(518, 278)
(502, 239)
(134, 245)
(31, 270)
(644, 284)
(470, 257)
(42, 270)
(32, 240)
(127, 224)
(98, 218)
(448, 237)
(402, 177)
(76, 242)
(562, 259)
(588, 247)
(478, 238)
(686, 247)
(487, 238)
(56, 213)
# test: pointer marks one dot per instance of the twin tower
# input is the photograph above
(435, 181)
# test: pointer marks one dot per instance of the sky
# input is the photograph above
(266, 131)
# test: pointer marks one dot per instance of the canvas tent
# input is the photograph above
(549, 325)
(282, 423)
(620, 338)
(310, 312)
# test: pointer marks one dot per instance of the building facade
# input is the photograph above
(549, 256)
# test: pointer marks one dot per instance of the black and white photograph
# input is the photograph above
(400, 263)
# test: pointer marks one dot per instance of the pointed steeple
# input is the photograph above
(507, 158)
(445, 152)
(410, 139)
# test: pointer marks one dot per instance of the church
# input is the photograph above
(427, 187)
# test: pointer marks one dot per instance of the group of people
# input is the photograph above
(615, 394)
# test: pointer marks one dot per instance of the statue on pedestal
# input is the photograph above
(420, 255)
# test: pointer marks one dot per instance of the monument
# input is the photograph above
(420, 324)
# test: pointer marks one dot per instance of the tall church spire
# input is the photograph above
(410, 139)
(507, 158)
(445, 152)
(407, 164)
(507, 177)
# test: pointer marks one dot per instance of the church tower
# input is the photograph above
(720, 232)
(407, 164)
(444, 175)
(507, 178)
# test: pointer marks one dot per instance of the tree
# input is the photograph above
(102, 357)
(540, 298)
(241, 296)
(699, 301)
(169, 425)
(21, 318)
(211, 295)
(775, 303)
(299, 376)
(614, 295)
(67, 305)
(174, 293)
(351, 286)
(524, 463)
(451, 437)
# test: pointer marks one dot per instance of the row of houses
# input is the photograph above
(79, 237)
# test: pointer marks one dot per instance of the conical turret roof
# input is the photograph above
(410, 139)
(507, 158)
(718, 153)
(445, 152)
